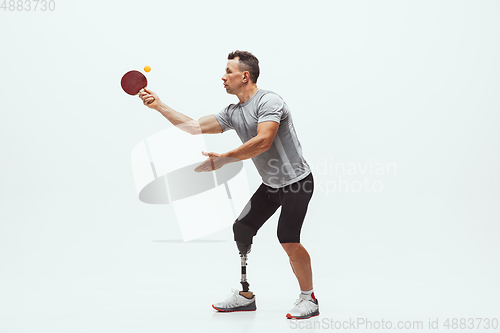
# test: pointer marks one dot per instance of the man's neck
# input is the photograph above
(246, 94)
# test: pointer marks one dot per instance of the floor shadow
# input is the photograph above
(193, 241)
(234, 316)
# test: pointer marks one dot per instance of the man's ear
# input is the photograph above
(246, 76)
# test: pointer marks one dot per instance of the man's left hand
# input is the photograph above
(213, 162)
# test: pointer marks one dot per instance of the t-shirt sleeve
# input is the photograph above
(270, 108)
(224, 119)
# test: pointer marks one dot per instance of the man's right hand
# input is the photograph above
(205, 125)
(149, 98)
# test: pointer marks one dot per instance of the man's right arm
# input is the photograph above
(205, 125)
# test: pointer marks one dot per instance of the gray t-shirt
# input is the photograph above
(283, 163)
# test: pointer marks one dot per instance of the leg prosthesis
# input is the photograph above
(243, 236)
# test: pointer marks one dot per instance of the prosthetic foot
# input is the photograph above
(240, 300)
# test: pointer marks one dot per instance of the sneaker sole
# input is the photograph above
(314, 314)
(233, 310)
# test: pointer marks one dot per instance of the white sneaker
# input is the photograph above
(236, 302)
(304, 308)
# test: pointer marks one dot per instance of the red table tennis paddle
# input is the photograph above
(134, 82)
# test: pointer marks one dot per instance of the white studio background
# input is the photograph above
(402, 94)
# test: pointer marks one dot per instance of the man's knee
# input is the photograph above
(290, 247)
(287, 235)
(243, 235)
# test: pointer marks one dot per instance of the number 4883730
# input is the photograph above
(28, 5)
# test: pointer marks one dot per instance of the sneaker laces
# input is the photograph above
(232, 298)
(303, 305)
(299, 302)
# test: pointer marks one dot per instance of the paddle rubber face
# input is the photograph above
(133, 82)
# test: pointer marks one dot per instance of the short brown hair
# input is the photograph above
(247, 62)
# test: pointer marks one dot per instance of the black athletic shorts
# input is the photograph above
(293, 199)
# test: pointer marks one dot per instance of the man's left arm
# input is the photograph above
(266, 131)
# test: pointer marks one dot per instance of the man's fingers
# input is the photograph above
(211, 154)
(201, 167)
(148, 100)
(208, 165)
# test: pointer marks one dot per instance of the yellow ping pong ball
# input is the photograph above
(147, 69)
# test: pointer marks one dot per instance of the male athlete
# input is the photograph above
(264, 124)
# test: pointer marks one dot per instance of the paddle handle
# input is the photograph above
(141, 91)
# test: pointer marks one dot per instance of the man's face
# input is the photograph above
(233, 78)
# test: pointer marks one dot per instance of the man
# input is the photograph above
(264, 124)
